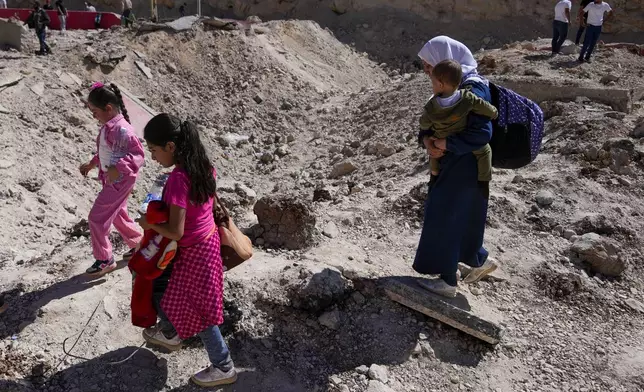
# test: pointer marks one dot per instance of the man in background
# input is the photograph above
(3, 3)
(62, 15)
(182, 9)
(40, 20)
(126, 12)
(596, 11)
(582, 17)
(560, 25)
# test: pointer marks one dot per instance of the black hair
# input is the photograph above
(189, 153)
(108, 95)
(448, 72)
(36, 5)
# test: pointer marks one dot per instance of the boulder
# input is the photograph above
(284, 222)
(342, 169)
(600, 253)
(320, 287)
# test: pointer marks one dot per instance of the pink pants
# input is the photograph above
(110, 208)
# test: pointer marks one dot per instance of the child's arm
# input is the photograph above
(426, 126)
(127, 152)
(173, 229)
(479, 129)
(481, 106)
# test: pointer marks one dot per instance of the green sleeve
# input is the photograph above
(480, 106)
(425, 121)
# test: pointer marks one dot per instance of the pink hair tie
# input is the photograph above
(97, 85)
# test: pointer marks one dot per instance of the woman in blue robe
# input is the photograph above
(456, 205)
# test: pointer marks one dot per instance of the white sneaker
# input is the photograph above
(479, 273)
(154, 336)
(212, 377)
(438, 286)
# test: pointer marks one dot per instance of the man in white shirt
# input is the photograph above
(3, 3)
(560, 25)
(596, 11)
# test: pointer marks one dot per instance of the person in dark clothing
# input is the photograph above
(40, 20)
(182, 9)
(582, 17)
(48, 5)
(62, 14)
(560, 25)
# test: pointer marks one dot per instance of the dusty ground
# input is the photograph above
(281, 111)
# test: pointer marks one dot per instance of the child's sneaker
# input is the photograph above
(155, 336)
(128, 255)
(212, 377)
(101, 267)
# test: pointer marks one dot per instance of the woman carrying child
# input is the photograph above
(192, 302)
(456, 205)
(119, 157)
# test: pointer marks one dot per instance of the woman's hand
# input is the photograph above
(435, 147)
(143, 223)
(86, 168)
(113, 174)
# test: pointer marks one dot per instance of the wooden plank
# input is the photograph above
(453, 312)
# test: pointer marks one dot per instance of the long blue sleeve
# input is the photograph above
(479, 128)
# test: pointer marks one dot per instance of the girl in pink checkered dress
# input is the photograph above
(189, 295)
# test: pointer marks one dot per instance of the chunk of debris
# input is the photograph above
(284, 222)
(600, 253)
(146, 71)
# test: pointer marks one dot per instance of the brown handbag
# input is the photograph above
(235, 246)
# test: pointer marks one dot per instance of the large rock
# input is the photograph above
(232, 139)
(320, 288)
(342, 169)
(638, 131)
(284, 222)
(545, 198)
(600, 253)
(378, 373)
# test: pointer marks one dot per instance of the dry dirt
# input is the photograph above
(295, 118)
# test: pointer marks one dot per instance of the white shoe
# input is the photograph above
(438, 286)
(154, 336)
(479, 273)
(212, 377)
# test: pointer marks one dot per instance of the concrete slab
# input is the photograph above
(75, 78)
(540, 90)
(453, 312)
(38, 89)
(139, 112)
(10, 34)
(184, 23)
(10, 80)
(146, 71)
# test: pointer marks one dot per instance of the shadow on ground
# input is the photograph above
(24, 309)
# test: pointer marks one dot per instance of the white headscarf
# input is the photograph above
(442, 48)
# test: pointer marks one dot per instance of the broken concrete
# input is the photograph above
(406, 291)
(10, 34)
(10, 80)
(146, 71)
(540, 90)
(139, 112)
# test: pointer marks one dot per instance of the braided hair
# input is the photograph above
(108, 95)
(189, 153)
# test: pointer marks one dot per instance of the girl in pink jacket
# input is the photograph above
(119, 157)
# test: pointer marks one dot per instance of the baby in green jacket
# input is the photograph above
(446, 113)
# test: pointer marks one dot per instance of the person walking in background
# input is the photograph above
(48, 5)
(582, 17)
(3, 3)
(182, 9)
(89, 7)
(40, 20)
(62, 15)
(560, 25)
(126, 12)
(596, 11)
